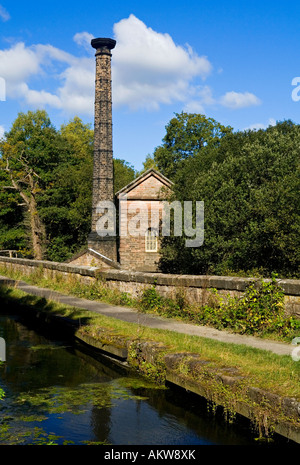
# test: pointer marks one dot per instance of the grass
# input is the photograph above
(265, 370)
(258, 312)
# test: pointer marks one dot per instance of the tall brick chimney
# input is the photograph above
(103, 175)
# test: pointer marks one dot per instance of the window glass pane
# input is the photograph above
(151, 241)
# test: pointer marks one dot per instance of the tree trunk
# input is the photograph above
(38, 234)
(38, 230)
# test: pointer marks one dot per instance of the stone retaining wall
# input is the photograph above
(196, 289)
(223, 387)
(186, 370)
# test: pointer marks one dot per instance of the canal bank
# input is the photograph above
(59, 391)
(221, 386)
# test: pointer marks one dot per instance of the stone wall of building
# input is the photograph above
(141, 209)
(132, 249)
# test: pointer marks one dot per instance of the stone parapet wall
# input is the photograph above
(197, 289)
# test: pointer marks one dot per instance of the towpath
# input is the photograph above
(131, 315)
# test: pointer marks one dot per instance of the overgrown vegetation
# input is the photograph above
(2, 393)
(263, 369)
(249, 182)
(253, 367)
(259, 311)
(46, 188)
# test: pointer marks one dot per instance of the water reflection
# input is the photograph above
(56, 392)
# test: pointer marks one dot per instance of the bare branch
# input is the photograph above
(17, 187)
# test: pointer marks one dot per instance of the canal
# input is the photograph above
(59, 393)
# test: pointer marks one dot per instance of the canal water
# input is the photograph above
(58, 393)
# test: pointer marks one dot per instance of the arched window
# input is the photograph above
(151, 241)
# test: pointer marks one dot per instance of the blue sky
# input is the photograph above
(233, 61)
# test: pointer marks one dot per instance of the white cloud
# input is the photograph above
(256, 126)
(238, 100)
(149, 69)
(77, 90)
(4, 15)
(41, 98)
(194, 106)
(201, 97)
(83, 39)
(17, 64)
(73, 86)
(47, 54)
(271, 122)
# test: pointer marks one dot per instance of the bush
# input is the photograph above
(151, 300)
(260, 311)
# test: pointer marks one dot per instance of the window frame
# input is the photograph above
(151, 237)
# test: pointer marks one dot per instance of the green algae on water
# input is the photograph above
(36, 406)
(59, 399)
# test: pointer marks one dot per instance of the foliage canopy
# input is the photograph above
(46, 188)
(249, 182)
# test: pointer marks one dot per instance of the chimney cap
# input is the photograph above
(103, 42)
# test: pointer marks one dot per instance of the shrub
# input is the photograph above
(260, 311)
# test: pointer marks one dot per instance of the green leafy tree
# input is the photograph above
(124, 173)
(13, 233)
(65, 206)
(250, 187)
(46, 186)
(187, 134)
(148, 163)
(29, 152)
